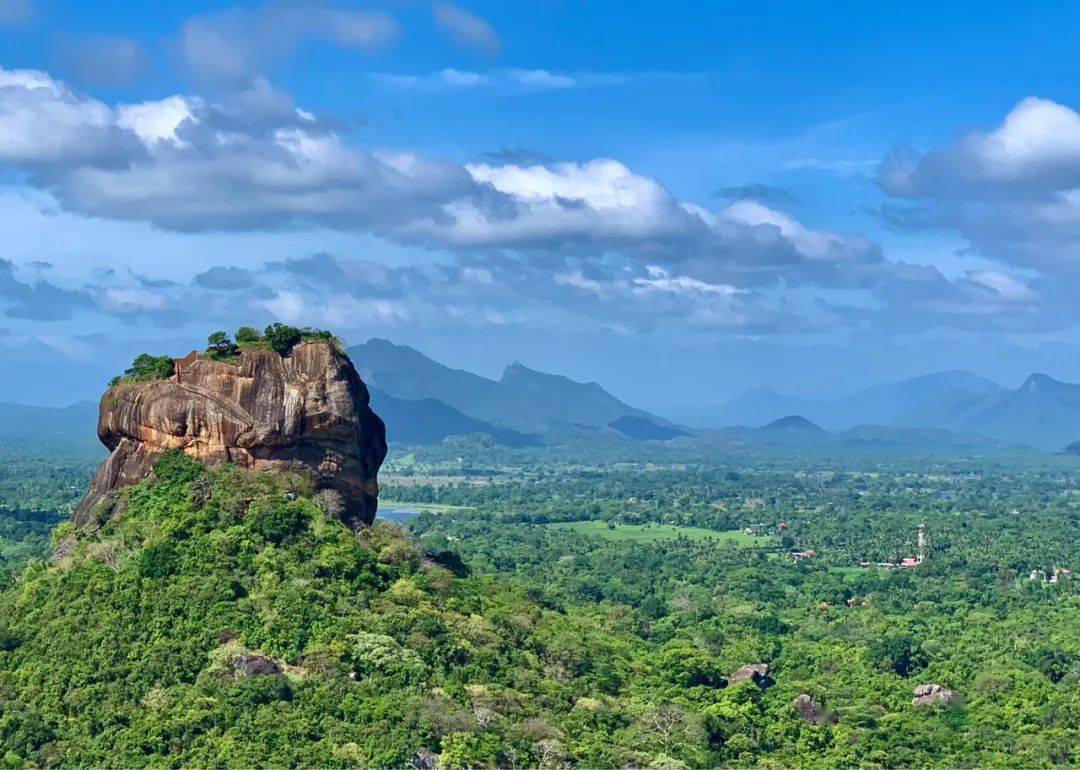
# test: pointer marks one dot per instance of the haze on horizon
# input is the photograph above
(677, 203)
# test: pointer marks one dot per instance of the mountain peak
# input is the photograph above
(1038, 380)
(523, 399)
(796, 423)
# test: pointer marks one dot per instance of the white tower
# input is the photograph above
(920, 557)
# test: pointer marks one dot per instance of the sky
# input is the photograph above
(678, 200)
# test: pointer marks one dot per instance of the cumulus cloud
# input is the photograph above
(466, 28)
(1035, 149)
(255, 161)
(183, 163)
(531, 239)
(234, 47)
(1013, 192)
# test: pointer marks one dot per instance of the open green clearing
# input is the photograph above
(853, 570)
(388, 505)
(655, 532)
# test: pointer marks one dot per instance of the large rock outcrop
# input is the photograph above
(307, 411)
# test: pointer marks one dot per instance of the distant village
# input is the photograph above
(1053, 575)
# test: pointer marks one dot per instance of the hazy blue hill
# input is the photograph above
(560, 398)
(892, 437)
(940, 399)
(795, 427)
(1043, 412)
(77, 422)
(758, 406)
(931, 400)
(404, 372)
(642, 429)
(523, 399)
(428, 421)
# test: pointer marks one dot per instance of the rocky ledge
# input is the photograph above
(306, 411)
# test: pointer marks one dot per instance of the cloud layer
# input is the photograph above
(524, 239)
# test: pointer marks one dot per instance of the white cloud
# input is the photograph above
(1013, 192)
(287, 306)
(659, 280)
(504, 80)
(525, 234)
(1036, 134)
(155, 121)
(466, 28)
(121, 300)
(1005, 286)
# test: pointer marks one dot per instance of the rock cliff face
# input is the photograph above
(307, 411)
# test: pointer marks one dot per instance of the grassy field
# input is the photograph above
(654, 532)
(421, 507)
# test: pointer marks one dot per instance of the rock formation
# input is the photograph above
(250, 664)
(812, 712)
(306, 411)
(758, 673)
(929, 694)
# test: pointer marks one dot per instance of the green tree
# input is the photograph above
(219, 342)
(148, 367)
(247, 335)
(281, 337)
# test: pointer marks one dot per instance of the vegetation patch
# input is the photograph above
(646, 533)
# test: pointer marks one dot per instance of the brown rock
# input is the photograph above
(307, 411)
(929, 694)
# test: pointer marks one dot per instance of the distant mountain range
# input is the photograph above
(796, 432)
(423, 401)
(523, 399)
(428, 421)
(1042, 413)
(931, 400)
(47, 423)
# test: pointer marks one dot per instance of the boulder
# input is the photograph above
(758, 673)
(306, 411)
(930, 694)
(811, 712)
(424, 759)
(250, 664)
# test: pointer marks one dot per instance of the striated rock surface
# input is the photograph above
(307, 411)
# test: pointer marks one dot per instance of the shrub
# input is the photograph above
(277, 520)
(177, 467)
(147, 367)
(282, 338)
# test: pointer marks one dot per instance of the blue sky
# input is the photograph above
(679, 200)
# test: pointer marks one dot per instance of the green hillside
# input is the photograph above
(132, 649)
